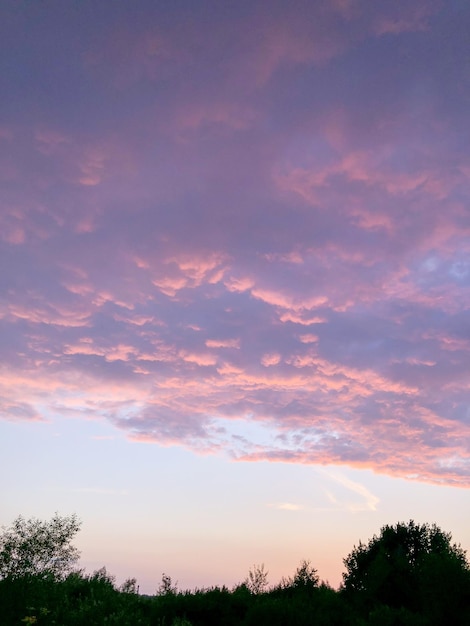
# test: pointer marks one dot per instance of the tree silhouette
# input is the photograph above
(166, 587)
(408, 575)
(306, 576)
(39, 548)
(408, 566)
(257, 581)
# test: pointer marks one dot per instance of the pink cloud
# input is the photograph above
(49, 141)
(19, 411)
(285, 44)
(57, 316)
(308, 338)
(177, 273)
(270, 358)
(260, 220)
(286, 301)
(203, 359)
(302, 317)
(223, 343)
(14, 235)
(239, 284)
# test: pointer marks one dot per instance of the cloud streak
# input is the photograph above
(230, 231)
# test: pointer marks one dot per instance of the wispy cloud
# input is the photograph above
(367, 500)
(287, 506)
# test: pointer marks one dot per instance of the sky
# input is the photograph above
(235, 278)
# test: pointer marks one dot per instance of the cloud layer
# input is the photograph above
(240, 230)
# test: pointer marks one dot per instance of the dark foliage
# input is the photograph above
(413, 570)
(409, 575)
(39, 548)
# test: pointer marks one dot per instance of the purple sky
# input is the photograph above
(242, 229)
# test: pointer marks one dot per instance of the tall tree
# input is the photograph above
(39, 548)
(409, 566)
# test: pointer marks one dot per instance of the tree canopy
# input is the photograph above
(407, 565)
(39, 548)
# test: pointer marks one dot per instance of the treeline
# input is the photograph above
(409, 574)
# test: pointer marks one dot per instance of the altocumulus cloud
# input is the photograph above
(252, 238)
